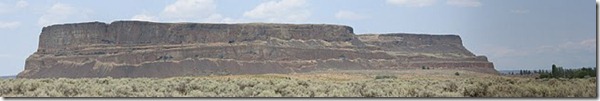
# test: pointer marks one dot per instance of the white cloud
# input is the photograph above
(5, 56)
(9, 25)
(22, 4)
(4, 8)
(61, 13)
(464, 3)
(348, 15)
(56, 14)
(570, 47)
(280, 11)
(218, 18)
(8, 8)
(589, 43)
(412, 3)
(519, 11)
(143, 17)
(500, 51)
(583, 45)
(187, 11)
(190, 9)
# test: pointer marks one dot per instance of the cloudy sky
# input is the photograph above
(514, 34)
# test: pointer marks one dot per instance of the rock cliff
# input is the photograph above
(148, 49)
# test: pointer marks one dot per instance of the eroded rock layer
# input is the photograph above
(148, 49)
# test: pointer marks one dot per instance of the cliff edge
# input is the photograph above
(149, 49)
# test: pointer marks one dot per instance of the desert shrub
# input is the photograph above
(450, 87)
(268, 93)
(243, 84)
(280, 86)
(507, 90)
(294, 91)
(340, 92)
(372, 93)
(228, 90)
(123, 91)
(385, 77)
(477, 90)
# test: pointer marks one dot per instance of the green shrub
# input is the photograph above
(385, 77)
(381, 86)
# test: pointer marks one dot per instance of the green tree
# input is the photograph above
(561, 72)
(580, 73)
(594, 72)
(520, 72)
(554, 71)
(545, 75)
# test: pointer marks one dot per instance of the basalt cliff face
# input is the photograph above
(148, 49)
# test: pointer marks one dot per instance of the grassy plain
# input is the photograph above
(364, 83)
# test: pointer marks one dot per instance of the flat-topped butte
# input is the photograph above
(149, 49)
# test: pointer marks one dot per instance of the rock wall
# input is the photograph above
(125, 33)
(415, 44)
(148, 49)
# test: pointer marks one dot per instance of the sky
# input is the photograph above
(513, 34)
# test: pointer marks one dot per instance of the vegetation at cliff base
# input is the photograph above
(416, 83)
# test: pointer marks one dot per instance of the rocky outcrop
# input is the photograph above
(148, 49)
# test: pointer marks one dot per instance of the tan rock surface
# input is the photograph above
(148, 49)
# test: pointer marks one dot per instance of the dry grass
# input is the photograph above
(408, 83)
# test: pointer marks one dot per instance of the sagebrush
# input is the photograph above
(282, 86)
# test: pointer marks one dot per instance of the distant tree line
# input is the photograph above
(560, 72)
(527, 72)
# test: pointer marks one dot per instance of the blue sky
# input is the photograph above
(514, 34)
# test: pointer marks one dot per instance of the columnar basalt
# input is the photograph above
(148, 49)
